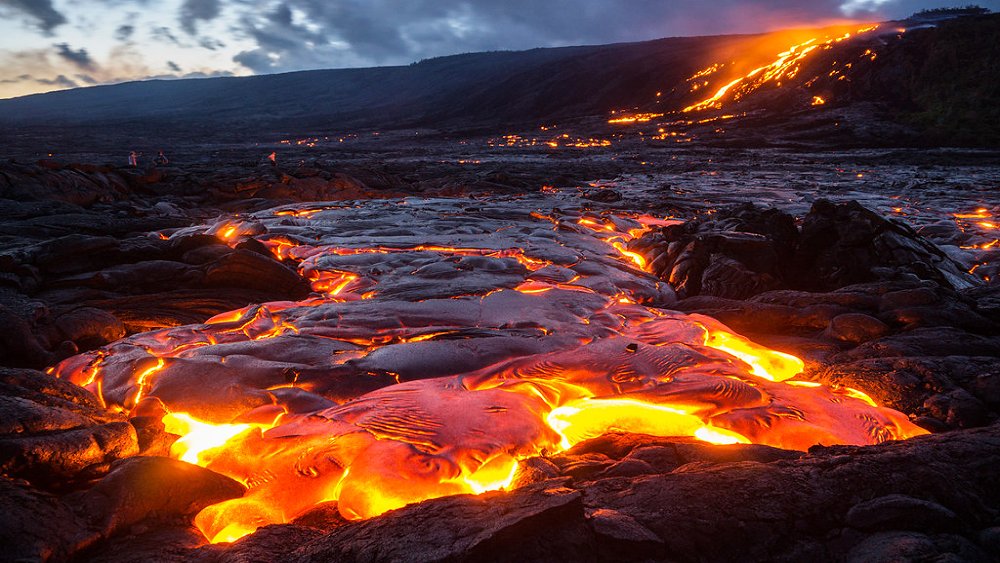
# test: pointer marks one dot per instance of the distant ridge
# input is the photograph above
(943, 75)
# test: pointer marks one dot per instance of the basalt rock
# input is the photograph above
(951, 391)
(140, 495)
(521, 524)
(622, 455)
(49, 180)
(856, 328)
(744, 251)
(938, 341)
(142, 488)
(54, 433)
(88, 291)
(37, 526)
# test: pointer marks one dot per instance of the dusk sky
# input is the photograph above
(56, 44)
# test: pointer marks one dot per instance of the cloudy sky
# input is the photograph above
(55, 44)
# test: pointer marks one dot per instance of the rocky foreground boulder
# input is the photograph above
(745, 250)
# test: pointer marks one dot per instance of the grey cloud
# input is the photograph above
(164, 34)
(79, 58)
(60, 80)
(20, 78)
(173, 66)
(210, 43)
(86, 79)
(194, 10)
(124, 32)
(256, 60)
(296, 34)
(44, 15)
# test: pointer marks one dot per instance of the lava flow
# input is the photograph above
(448, 340)
(785, 66)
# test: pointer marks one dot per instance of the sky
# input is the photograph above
(50, 45)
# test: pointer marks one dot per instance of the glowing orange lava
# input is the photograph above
(420, 369)
(785, 66)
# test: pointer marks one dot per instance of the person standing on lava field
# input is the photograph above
(133, 159)
(161, 159)
(273, 157)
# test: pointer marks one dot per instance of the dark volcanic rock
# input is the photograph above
(541, 522)
(603, 196)
(68, 454)
(243, 268)
(622, 455)
(745, 500)
(69, 183)
(141, 488)
(88, 327)
(89, 291)
(36, 526)
(159, 543)
(912, 546)
(845, 244)
(900, 512)
(856, 328)
(940, 341)
(957, 391)
(755, 318)
(53, 432)
(141, 494)
(744, 251)
(270, 543)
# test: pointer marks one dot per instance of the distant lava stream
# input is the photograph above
(446, 341)
(783, 71)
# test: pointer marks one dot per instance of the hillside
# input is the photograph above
(938, 79)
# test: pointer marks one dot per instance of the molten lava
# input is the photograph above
(445, 343)
(785, 66)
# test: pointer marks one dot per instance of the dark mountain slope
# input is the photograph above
(479, 87)
(942, 79)
(945, 80)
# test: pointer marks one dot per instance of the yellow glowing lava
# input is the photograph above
(197, 436)
(785, 66)
(768, 364)
(636, 258)
(589, 418)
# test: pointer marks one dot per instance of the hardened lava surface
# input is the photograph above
(445, 341)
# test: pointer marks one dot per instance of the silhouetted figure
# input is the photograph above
(133, 159)
(273, 157)
(161, 159)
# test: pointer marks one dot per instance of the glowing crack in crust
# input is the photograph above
(447, 340)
